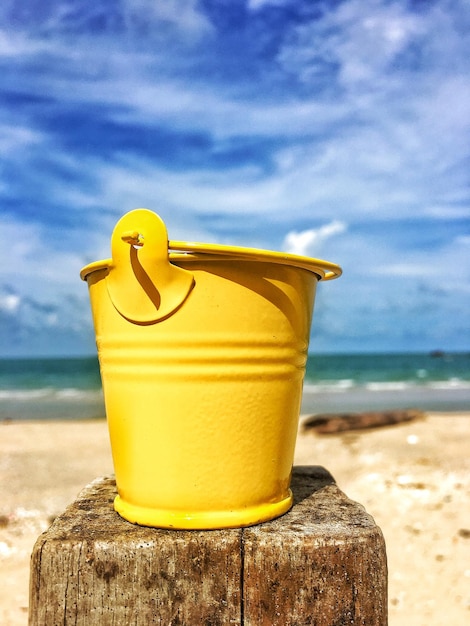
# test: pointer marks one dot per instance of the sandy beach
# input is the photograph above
(414, 479)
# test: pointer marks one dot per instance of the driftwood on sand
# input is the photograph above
(331, 423)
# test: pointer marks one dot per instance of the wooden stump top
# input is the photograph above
(323, 563)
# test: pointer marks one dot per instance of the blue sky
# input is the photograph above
(335, 129)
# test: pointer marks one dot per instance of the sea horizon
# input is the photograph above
(69, 388)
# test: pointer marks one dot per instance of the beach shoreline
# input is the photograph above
(386, 396)
(413, 478)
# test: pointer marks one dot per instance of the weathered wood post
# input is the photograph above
(321, 564)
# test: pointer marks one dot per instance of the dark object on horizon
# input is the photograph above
(330, 424)
(437, 354)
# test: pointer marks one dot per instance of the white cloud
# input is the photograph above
(447, 212)
(407, 270)
(362, 38)
(14, 45)
(9, 302)
(17, 138)
(377, 134)
(372, 37)
(32, 262)
(385, 151)
(184, 14)
(139, 18)
(255, 5)
(308, 242)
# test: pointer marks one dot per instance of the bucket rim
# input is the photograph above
(196, 251)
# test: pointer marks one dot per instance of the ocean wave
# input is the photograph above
(389, 386)
(24, 394)
(348, 385)
(453, 383)
(337, 386)
(49, 394)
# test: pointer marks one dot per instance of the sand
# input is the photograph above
(413, 478)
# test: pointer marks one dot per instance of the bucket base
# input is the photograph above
(202, 520)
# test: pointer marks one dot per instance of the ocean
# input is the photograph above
(50, 389)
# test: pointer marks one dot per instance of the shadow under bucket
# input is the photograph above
(202, 352)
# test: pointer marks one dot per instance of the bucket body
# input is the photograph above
(203, 402)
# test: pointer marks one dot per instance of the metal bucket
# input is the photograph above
(202, 352)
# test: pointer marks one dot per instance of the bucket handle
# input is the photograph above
(142, 283)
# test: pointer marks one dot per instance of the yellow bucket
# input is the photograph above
(202, 352)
